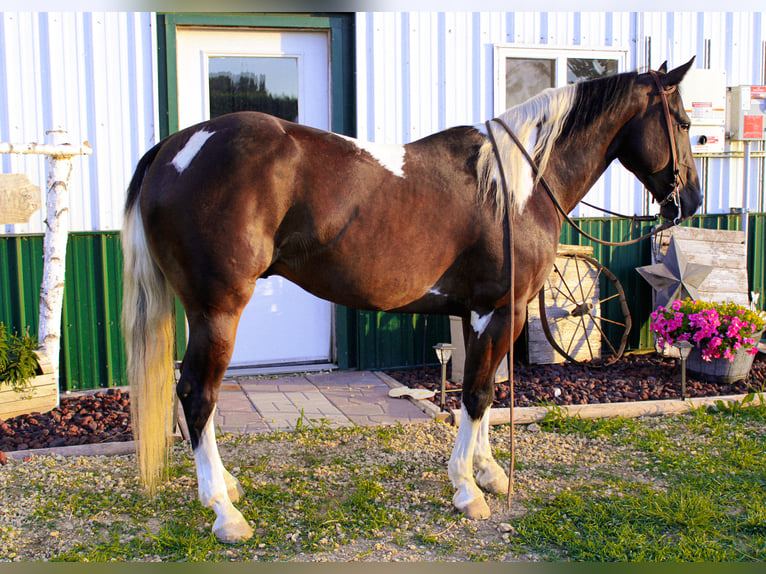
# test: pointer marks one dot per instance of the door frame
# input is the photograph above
(342, 107)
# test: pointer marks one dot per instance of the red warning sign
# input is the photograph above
(752, 127)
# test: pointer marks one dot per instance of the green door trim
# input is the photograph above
(342, 97)
(342, 58)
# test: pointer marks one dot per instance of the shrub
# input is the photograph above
(18, 360)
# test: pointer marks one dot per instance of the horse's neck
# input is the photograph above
(579, 159)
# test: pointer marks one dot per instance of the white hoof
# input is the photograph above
(493, 480)
(233, 532)
(233, 487)
(475, 509)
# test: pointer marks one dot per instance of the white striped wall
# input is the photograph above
(92, 74)
(423, 72)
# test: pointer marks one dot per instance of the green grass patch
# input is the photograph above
(706, 504)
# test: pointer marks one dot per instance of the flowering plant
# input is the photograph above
(717, 329)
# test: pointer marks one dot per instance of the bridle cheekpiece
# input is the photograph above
(675, 194)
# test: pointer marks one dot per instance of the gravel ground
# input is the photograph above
(53, 504)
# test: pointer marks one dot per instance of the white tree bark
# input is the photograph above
(54, 251)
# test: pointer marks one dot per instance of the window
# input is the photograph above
(523, 71)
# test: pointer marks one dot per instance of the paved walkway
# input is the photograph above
(336, 399)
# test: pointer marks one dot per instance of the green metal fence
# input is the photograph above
(92, 353)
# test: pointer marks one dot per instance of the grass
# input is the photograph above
(710, 506)
(680, 488)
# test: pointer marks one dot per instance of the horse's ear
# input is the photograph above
(674, 77)
(664, 67)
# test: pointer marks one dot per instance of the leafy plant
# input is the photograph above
(717, 329)
(18, 361)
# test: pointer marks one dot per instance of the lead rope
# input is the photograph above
(508, 224)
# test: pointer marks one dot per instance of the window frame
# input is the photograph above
(557, 53)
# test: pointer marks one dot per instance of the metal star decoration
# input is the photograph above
(675, 278)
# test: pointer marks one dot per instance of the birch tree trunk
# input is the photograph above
(54, 251)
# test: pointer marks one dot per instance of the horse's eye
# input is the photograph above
(685, 126)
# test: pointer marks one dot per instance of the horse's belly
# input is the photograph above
(359, 286)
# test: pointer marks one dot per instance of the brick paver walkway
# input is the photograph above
(335, 399)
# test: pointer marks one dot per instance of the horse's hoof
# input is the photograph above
(476, 509)
(496, 485)
(233, 487)
(233, 532)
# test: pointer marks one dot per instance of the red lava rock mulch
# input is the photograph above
(639, 377)
(104, 416)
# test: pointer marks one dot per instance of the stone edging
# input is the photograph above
(527, 415)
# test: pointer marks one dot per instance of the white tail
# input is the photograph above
(148, 327)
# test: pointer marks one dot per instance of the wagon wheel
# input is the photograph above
(579, 309)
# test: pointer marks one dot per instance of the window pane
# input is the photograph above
(527, 77)
(579, 69)
(267, 85)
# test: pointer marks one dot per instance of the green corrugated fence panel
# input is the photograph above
(756, 264)
(21, 273)
(94, 353)
(393, 340)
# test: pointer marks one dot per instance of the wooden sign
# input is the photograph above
(19, 198)
(724, 250)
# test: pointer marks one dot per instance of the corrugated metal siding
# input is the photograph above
(394, 340)
(92, 74)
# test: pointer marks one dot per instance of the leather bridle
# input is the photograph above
(678, 183)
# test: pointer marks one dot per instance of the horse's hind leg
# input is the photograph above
(486, 344)
(211, 341)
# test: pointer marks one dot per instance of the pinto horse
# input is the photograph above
(417, 228)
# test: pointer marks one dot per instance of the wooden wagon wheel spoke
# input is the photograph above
(565, 324)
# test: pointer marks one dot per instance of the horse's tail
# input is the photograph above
(148, 328)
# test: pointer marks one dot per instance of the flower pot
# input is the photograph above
(720, 370)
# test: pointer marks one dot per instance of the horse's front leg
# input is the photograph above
(205, 362)
(486, 344)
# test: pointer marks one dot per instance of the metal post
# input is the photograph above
(444, 386)
(746, 194)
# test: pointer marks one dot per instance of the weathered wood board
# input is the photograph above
(41, 396)
(19, 198)
(569, 332)
(723, 249)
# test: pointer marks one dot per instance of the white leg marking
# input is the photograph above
(480, 322)
(468, 498)
(489, 475)
(390, 156)
(230, 525)
(184, 157)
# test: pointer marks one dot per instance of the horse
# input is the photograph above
(415, 228)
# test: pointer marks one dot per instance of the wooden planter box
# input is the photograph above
(40, 396)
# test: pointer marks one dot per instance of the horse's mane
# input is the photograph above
(538, 123)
